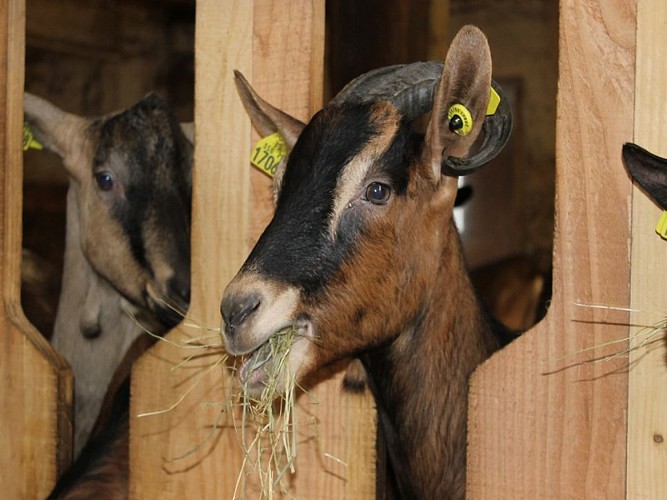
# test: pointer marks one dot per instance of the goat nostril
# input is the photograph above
(236, 310)
(179, 290)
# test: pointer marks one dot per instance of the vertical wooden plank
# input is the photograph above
(544, 426)
(220, 215)
(438, 32)
(647, 392)
(336, 455)
(36, 392)
(278, 46)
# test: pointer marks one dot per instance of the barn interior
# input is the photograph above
(94, 57)
(573, 408)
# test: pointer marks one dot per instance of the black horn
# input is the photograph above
(410, 87)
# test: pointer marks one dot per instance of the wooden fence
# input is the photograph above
(544, 422)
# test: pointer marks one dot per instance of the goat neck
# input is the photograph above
(420, 382)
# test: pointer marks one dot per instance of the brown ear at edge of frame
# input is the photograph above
(648, 170)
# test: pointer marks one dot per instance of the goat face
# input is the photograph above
(131, 175)
(649, 170)
(362, 220)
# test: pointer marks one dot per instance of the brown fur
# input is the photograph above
(418, 355)
(109, 477)
(102, 470)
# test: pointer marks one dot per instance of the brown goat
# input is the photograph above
(362, 255)
(127, 250)
(514, 290)
(127, 235)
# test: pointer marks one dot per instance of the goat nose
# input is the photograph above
(237, 309)
(179, 290)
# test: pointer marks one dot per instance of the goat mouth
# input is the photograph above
(168, 311)
(254, 372)
(267, 372)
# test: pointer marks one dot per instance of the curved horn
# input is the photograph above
(410, 87)
(496, 128)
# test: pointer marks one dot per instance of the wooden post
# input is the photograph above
(278, 45)
(544, 422)
(647, 392)
(36, 393)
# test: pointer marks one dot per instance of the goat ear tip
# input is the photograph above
(630, 147)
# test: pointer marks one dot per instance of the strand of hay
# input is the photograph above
(648, 333)
(267, 428)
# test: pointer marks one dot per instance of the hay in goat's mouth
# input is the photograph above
(267, 425)
(271, 452)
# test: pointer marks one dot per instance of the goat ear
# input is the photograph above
(648, 170)
(58, 131)
(463, 94)
(268, 119)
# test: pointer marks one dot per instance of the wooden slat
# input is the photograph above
(223, 42)
(647, 392)
(278, 45)
(36, 392)
(541, 426)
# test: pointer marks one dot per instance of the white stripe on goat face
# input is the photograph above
(362, 168)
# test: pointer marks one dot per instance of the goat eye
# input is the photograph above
(378, 193)
(104, 181)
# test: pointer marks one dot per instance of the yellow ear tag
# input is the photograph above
(268, 152)
(460, 120)
(29, 141)
(494, 101)
(661, 226)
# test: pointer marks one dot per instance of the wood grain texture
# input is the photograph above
(36, 392)
(278, 46)
(544, 426)
(647, 392)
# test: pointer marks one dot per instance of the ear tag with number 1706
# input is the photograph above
(268, 152)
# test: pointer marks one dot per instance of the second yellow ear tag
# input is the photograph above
(494, 100)
(661, 226)
(268, 152)
(29, 141)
